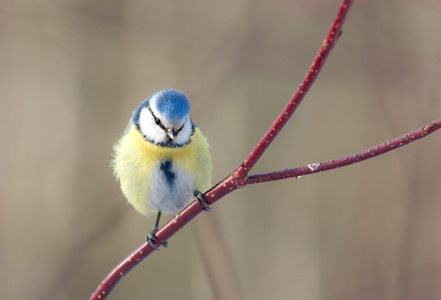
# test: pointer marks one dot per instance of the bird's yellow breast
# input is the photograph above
(137, 165)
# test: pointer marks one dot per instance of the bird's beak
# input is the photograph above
(171, 133)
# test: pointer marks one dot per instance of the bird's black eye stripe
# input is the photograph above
(157, 121)
(177, 131)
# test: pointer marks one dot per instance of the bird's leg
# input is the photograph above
(151, 237)
(201, 201)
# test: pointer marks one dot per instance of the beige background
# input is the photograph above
(73, 71)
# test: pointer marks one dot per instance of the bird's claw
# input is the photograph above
(201, 201)
(152, 240)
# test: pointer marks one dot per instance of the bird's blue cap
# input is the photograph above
(173, 105)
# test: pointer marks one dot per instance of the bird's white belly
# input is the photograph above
(171, 188)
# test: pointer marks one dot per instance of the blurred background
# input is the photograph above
(72, 72)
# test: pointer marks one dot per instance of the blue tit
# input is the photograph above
(162, 159)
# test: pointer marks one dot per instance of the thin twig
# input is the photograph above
(347, 160)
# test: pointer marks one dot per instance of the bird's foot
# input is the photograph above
(201, 201)
(152, 240)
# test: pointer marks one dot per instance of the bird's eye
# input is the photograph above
(157, 121)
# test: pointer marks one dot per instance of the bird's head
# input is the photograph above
(164, 118)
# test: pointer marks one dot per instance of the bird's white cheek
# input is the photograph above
(149, 128)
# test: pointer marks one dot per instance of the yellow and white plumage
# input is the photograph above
(137, 165)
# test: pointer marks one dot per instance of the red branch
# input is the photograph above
(239, 178)
(350, 159)
(319, 60)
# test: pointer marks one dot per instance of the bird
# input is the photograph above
(162, 160)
